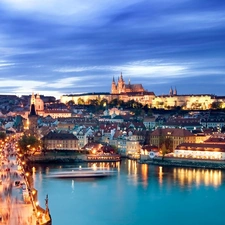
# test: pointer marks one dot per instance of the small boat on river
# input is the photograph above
(82, 173)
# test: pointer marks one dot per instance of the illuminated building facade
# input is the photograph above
(200, 151)
(176, 135)
(122, 87)
(126, 92)
(60, 141)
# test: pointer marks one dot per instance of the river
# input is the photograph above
(137, 194)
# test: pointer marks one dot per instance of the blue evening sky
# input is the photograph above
(56, 47)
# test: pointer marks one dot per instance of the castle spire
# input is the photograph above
(114, 87)
(175, 91)
(171, 91)
(121, 76)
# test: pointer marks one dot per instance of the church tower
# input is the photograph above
(33, 121)
(171, 91)
(114, 87)
(175, 91)
(38, 103)
(121, 84)
(32, 100)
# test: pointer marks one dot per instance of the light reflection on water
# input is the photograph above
(197, 177)
(134, 192)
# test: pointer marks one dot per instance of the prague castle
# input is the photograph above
(121, 87)
(136, 92)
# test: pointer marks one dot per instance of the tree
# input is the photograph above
(104, 102)
(165, 145)
(217, 105)
(114, 103)
(2, 136)
(80, 101)
(29, 144)
(70, 103)
(163, 150)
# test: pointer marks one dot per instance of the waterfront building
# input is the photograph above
(149, 151)
(200, 151)
(60, 141)
(176, 135)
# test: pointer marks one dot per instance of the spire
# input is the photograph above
(129, 82)
(121, 76)
(32, 111)
(32, 100)
(175, 91)
(171, 91)
(114, 86)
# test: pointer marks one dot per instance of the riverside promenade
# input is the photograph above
(185, 162)
(17, 205)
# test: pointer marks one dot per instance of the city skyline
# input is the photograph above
(56, 48)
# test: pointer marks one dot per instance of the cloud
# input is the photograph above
(69, 46)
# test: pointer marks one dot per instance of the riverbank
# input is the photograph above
(180, 162)
(71, 157)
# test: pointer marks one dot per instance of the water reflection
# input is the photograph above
(169, 176)
(160, 175)
(207, 177)
(142, 174)
(105, 165)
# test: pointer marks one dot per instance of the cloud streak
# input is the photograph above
(72, 46)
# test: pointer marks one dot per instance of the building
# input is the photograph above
(202, 102)
(60, 141)
(184, 123)
(38, 103)
(127, 91)
(200, 151)
(119, 90)
(122, 87)
(177, 136)
(32, 122)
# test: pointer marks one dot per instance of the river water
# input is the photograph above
(137, 194)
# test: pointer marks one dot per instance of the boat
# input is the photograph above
(82, 173)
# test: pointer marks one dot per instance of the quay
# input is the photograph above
(185, 162)
(18, 198)
(72, 157)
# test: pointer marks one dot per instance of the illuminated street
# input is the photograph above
(13, 208)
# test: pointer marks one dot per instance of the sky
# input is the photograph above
(56, 47)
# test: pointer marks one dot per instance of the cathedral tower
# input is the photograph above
(175, 91)
(171, 91)
(114, 87)
(121, 84)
